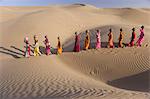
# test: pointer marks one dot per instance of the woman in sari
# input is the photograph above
(120, 38)
(47, 44)
(36, 47)
(110, 39)
(59, 47)
(77, 43)
(98, 39)
(132, 38)
(28, 49)
(141, 37)
(87, 40)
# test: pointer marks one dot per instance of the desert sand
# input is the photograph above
(118, 73)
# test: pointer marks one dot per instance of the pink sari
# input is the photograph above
(48, 51)
(98, 43)
(141, 38)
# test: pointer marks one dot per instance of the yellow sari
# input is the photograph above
(37, 50)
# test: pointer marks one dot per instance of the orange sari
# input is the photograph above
(59, 48)
(87, 42)
(121, 39)
(110, 40)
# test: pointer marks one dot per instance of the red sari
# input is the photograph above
(77, 44)
(132, 39)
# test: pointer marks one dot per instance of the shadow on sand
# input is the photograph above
(43, 50)
(13, 55)
(19, 53)
(70, 47)
(17, 49)
(11, 52)
(138, 82)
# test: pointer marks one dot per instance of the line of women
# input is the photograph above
(36, 51)
(35, 46)
(110, 39)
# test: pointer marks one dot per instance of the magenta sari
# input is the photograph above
(77, 43)
(47, 49)
(98, 40)
(141, 38)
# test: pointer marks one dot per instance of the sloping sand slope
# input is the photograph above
(52, 79)
(111, 64)
(119, 73)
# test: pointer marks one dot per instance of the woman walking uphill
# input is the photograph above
(141, 37)
(110, 39)
(98, 39)
(28, 49)
(47, 45)
(120, 38)
(77, 43)
(87, 40)
(59, 47)
(36, 47)
(132, 38)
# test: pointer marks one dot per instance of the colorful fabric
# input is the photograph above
(37, 50)
(77, 43)
(59, 48)
(132, 39)
(141, 38)
(47, 46)
(110, 40)
(48, 50)
(98, 40)
(120, 39)
(87, 42)
(28, 50)
(59, 51)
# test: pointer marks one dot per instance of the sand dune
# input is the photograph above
(108, 65)
(52, 79)
(119, 73)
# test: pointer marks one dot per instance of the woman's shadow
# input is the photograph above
(19, 53)
(16, 54)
